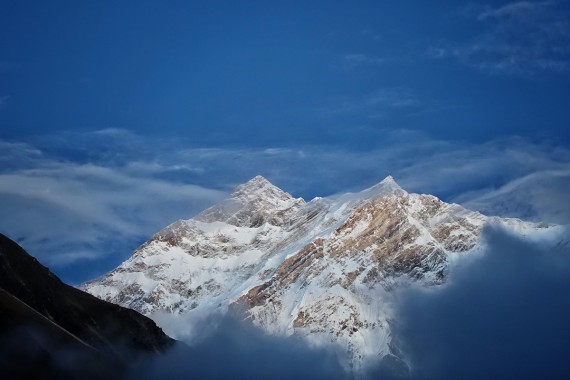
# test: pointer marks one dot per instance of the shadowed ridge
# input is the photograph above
(42, 315)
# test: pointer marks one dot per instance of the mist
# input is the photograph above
(503, 315)
(234, 350)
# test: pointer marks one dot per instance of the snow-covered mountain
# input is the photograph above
(323, 270)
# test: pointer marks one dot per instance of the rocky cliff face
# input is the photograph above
(322, 269)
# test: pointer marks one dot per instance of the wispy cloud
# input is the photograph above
(359, 59)
(518, 38)
(63, 211)
(540, 196)
(519, 9)
(393, 98)
(110, 190)
(376, 104)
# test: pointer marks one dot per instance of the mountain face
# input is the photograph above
(323, 269)
(50, 329)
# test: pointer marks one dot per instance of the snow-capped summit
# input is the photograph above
(257, 187)
(322, 270)
(389, 180)
(387, 186)
(252, 204)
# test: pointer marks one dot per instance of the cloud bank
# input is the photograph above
(233, 350)
(97, 195)
(503, 315)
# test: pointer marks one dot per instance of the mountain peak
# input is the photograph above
(387, 186)
(257, 187)
(388, 183)
(252, 203)
(257, 181)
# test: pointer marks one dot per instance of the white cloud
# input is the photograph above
(502, 314)
(66, 211)
(112, 132)
(65, 207)
(539, 196)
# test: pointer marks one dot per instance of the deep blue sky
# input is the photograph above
(258, 73)
(117, 118)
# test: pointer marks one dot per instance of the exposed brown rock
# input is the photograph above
(301, 320)
(292, 267)
(255, 296)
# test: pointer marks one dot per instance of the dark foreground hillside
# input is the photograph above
(49, 329)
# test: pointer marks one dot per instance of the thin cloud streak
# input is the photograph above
(519, 38)
(359, 59)
(517, 9)
(382, 102)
